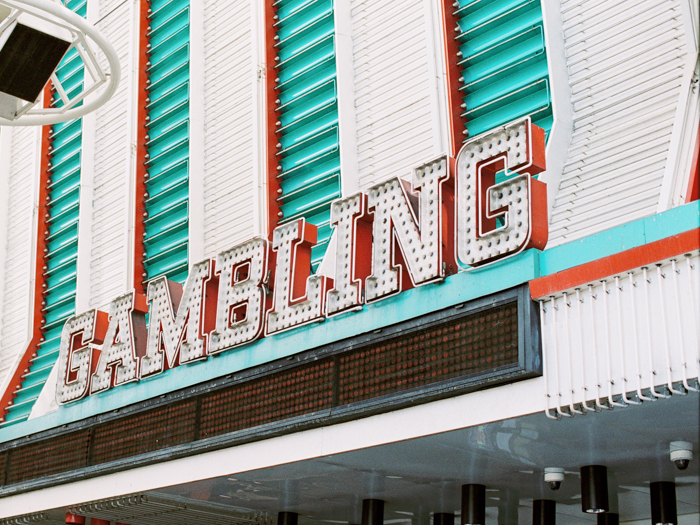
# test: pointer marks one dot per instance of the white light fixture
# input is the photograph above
(34, 36)
(30, 51)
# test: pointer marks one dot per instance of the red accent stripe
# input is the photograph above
(141, 171)
(273, 185)
(454, 97)
(615, 264)
(40, 262)
(75, 519)
(693, 192)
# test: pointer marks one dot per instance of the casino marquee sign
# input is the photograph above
(454, 216)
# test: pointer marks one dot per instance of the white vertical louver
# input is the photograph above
(626, 338)
(625, 61)
(109, 256)
(392, 88)
(19, 255)
(229, 192)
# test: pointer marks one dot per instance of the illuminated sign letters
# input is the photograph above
(519, 202)
(452, 215)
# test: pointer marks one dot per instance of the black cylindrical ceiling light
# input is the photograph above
(544, 512)
(443, 518)
(663, 503)
(608, 518)
(594, 489)
(473, 504)
(287, 518)
(372, 512)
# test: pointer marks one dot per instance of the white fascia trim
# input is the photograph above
(691, 22)
(345, 82)
(562, 109)
(469, 410)
(87, 189)
(347, 122)
(685, 123)
(437, 76)
(132, 77)
(257, 8)
(196, 153)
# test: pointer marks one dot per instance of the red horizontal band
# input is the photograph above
(615, 264)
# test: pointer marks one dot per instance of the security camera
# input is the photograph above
(681, 454)
(554, 476)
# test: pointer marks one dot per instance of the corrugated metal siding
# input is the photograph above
(392, 88)
(166, 226)
(504, 63)
(60, 259)
(229, 184)
(19, 255)
(625, 61)
(308, 151)
(108, 257)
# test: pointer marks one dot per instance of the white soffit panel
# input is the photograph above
(230, 178)
(626, 64)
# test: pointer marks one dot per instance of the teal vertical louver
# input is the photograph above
(60, 258)
(503, 62)
(167, 186)
(307, 108)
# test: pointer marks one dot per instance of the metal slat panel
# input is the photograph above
(609, 153)
(18, 255)
(654, 119)
(308, 150)
(60, 259)
(608, 218)
(392, 88)
(167, 222)
(632, 185)
(505, 74)
(626, 61)
(647, 94)
(632, 41)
